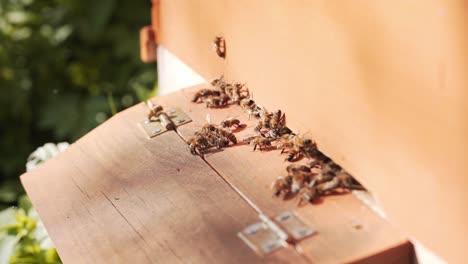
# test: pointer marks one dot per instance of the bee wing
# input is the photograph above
(208, 118)
(149, 104)
(228, 117)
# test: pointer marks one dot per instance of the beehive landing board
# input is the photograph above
(348, 231)
(115, 196)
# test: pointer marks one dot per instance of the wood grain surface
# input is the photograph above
(380, 84)
(116, 196)
(348, 230)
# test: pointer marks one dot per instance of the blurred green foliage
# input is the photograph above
(65, 67)
(23, 238)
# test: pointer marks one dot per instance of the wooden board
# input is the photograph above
(336, 219)
(117, 197)
(381, 85)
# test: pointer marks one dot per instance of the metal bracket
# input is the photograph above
(174, 117)
(267, 236)
(260, 238)
(294, 226)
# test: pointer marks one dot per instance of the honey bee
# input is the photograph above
(282, 185)
(348, 182)
(318, 160)
(281, 131)
(278, 119)
(208, 128)
(217, 101)
(308, 194)
(296, 146)
(155, 112)
(319, 176)
(217, 81)
(250, 107)
(248, 138)
(258, 127)
(198, 144)
(220, 46)
(226, 134)
(217, 141)
(301, 175)
(264, 121)
(299, 180)
(343, 180)
(203, 93)
(238, 93)
(219, 84)
(261, 142)
(285, 142)
(230, 122)
(296, 167)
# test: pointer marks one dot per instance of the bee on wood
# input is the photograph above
(226, 134)
(217, 101)
(217, 141)
(219, 44)
(308, 194)
(258, 127)
(198, 144)
(319, 176)
(208, 128)
(296, 167)
(230, 122)
(285, 142)
(261, 142)
(348, 182)
(296, 146)
(250, 107)
(278, 119)
(343, 180)
(203, 93)
(155, 112)
(264, 121)
(217, 81)
(219, 84)
(278, 132)
(318, 160)
(301, 176)
(299, 180)
(239, 92)
(282, 185)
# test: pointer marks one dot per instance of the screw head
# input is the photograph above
(180, 120)
(269, 245)
(283, 217)
(156, 131)
(171, 111)
(252, 229)
(301, 232)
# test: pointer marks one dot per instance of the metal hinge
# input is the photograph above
(168, 120)
(267, 236)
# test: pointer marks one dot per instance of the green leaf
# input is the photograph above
(24, 203)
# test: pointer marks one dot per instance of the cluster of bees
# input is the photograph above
(221, 94)
(319, 177)
(213, 136)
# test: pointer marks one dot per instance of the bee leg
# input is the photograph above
(200, 153)
(299, 201)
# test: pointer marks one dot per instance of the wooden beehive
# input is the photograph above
(379, 84)
(118, 196)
